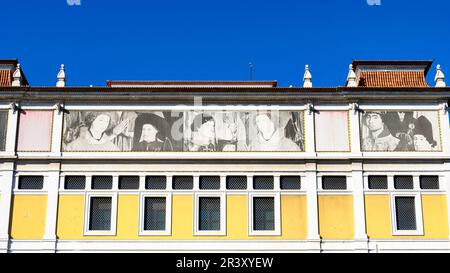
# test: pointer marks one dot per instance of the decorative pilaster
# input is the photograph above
(312, 205)
(359, 208)
(6, 187)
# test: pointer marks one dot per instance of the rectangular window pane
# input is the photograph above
(429, 182)
(31, 182)
(75, 182)
(334, 182)
(155, 182)
(403, 182)
(290, 182)
(209, 182)
(263, 213)
(209, 214)
(236, 182)
(129, 182)
(155, 213)
(102, 182)
(263, 182)
(100, 213)
(378, 182)
(182, 182)
(405, 211)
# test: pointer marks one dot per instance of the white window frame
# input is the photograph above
(277, 214)
(223, 214)
(418, 211)
(113, 229)
(17, 175)
(168, 230)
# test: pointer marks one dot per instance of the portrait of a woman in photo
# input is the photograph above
(150, 134)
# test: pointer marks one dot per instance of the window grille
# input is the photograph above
(182, 182)
(100, 213)
(405, 211)
(290, 182)
(128, 182)
(209, 182)
(378, 182)
(403, 182)
(236, 182)
(102, 182)
(263, 182)
(31, 182)
(334, 182)
(429, 182)
(155, 213)
(75, 182)
(209, 214)
(263, 213)
(155, 182)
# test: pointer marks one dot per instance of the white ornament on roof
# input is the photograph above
(17, 76)
(351, 78)
(61, 77)
(439, 79)
(307, 78)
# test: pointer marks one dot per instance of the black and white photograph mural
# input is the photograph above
(189, 131)
(400, 131)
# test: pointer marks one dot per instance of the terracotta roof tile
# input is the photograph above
(391, 79)
(5, 77)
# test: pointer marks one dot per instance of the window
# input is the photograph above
(155, 182)
(334, 182)
(264, 214)
(263, 182)
(128, 182)
(74, 182)
(403, 182)
(31, 182)
(100, 214)
(429, 182)
(209, 182)
(407, 214)
(210, 214)
(378, 182)
(290, 182)
(182, 182)
(155, 214)
(102, 182)
(236, 182)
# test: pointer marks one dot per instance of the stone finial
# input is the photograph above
(439, 79)
(351, 78)
(307, 78)
(17, 76)
(61, 77)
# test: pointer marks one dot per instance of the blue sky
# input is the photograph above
(216, 39)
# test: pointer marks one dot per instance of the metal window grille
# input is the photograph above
(155, 182)
(31, 182)
(263, 182)
(102, 182)
(429, 182)
(334, 182)
(290, 182)
(209, 214)
(128, 182)
(75, 182)
(209, 182)
(405, 211)
(182, 182)
(100, 213)
(378, 182)
(403, 182)
(263, 213)
(236, 182)
(155, 213)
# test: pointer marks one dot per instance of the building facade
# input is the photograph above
(227, 166)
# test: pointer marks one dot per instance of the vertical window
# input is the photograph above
(102, 182)
(155, 213)
(209, 213)
(31, 182)
(263, 213)
(100, 214)
(407, 215)
(334, 182)
(72, 182)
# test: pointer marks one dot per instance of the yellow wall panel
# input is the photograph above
(378, 216)
(435, 217)
(237, 221)
(336, 219)
(70, 217)
(294, 218)
(28, 216)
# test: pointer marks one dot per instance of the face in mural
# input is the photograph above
(207, 129)
(265, 126)
(148, 133)
(100, 123)
(374, 121)
(421, 143)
